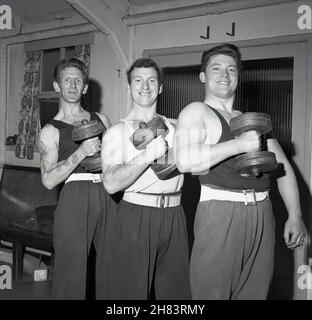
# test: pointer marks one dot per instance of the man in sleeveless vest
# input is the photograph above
(83, 201)
(150, 244)
(233, 252)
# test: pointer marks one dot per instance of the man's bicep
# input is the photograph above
(112, 151)
(48, 151)
(274, 146)
(190, 129)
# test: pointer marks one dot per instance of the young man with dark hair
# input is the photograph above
(149, 242)
(233, 252)
(83, 202)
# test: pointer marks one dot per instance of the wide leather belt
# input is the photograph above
(153, 200)
(94, 177)
(247, 196)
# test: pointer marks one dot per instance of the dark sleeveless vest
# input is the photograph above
(223, 174)
(66, 145)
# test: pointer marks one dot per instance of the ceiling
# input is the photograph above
(34, 12)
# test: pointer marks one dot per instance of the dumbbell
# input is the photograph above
(164, 167)
(258, 161)
(87, 130)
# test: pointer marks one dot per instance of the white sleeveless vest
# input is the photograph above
(148, 182)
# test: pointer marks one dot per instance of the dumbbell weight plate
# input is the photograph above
(92, 164)
(258, 121)
(247, 163)
(164, 167)
(89, 130)
(165, 171)
(145, 134)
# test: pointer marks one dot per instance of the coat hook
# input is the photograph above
(232, 34)
(207, 33)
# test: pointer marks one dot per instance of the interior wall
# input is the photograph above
(250, 24)
(105, 72)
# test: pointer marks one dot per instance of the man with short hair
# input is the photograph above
(149, 242)
(83, 202)
(233, 252)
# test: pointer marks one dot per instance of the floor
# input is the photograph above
(25, 289)
(28, 289)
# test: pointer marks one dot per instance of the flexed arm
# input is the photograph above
(118, 172)
(52, 171)
(194, 149)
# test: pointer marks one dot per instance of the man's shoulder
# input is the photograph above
(172, 121)
(120, 125)
(117, 129)
(104, 118)
(49, 134)
(237, 113)
(197, 106)
(48, 129)
(195, 109)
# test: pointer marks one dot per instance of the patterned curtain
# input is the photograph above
(82, 52)
(29, 108)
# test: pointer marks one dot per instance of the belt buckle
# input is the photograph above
(250, 197)
(96, 178)
(162, 201)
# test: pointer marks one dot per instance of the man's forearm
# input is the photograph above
(201, 157)
(121, 176)
(289, 191)
(52, 175)
(287, 184)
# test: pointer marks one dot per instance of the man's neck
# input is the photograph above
(142, 114)
(70, 109)
(223, 104)
(71, 112)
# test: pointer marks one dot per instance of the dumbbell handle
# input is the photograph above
(157, 127)
(162, 168)
(256, 171)
(147, 132)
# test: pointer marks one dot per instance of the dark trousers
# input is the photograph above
(233, 252)
(79, 219)
(148, 245)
